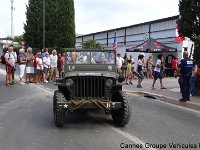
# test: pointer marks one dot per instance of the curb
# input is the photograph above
(170, 100)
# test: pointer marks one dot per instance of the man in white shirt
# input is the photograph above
(119, 62)
(157, 72)
(10, 65)
(53, 65)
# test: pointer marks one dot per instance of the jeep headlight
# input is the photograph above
(109, 82)
(69, 82)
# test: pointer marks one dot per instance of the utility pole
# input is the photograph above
(43, 24)
(12, 9)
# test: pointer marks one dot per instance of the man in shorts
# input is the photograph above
(157, 72)
(10, 65)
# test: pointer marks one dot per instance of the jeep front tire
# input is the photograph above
(121, 116)
(59, 113)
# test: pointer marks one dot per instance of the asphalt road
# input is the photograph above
(26, 123)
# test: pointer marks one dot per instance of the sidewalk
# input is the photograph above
(171, 94)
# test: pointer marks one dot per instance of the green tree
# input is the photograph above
(33, 25)
(59, 23)
(91, 44)
(66, 35)
(18, 38)
(189, 23)
(189, 26)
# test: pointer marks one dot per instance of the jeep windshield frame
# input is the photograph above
(90, 57)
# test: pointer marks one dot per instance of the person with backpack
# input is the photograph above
(10, 65)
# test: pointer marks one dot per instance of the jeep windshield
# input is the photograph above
(90, 57)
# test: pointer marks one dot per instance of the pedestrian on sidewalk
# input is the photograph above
(46, 63)
(140, 65)
(39, 68)
(193, 79)
(53, 65)
(129, 73)
(22, 64)
(157, 71)
(119, 62)
(38, 52)
(149, 65)
(124, 65)
(59, 65)
(13, 73)
(62, 60)
(185, 66)
(175, 66)
(29, 65)
(10, 65)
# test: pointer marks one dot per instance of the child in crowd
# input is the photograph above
(129, 74)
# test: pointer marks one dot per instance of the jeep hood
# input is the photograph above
(93, 73)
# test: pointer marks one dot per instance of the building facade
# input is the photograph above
(162, 30)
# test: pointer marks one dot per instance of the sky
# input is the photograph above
(95, 15)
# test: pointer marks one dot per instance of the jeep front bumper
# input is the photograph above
(88, 104)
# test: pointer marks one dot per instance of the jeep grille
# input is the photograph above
(89, 87)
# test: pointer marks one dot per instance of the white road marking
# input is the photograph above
(42, 88)
(48, 89)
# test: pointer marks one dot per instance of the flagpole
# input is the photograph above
(12, 8)
(115, 41)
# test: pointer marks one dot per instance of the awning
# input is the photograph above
(151, 46)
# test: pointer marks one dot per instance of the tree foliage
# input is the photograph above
(18, 38)
(59, 23)
(189, 23)
(91, 44)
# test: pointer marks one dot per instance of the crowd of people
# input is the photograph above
(43, 66)
(33, 67)
(157, 71)
(125, 68)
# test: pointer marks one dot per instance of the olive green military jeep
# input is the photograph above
(90, 82)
